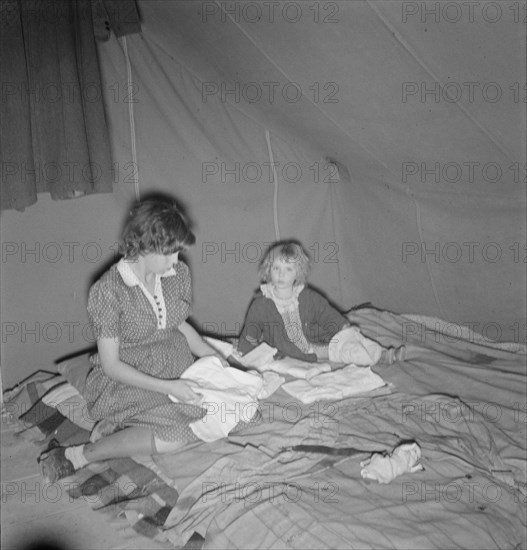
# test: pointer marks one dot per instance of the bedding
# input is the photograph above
(293, 479)
(38, 405)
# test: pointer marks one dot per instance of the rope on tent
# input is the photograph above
(135, 170)
(427, 262)
(275, 195)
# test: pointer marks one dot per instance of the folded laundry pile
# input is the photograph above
(229, 395)
(335, 385)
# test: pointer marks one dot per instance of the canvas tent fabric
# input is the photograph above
(429, 145)
(397, 133)
(413, 223)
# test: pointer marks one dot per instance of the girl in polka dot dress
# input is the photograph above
(139, 308)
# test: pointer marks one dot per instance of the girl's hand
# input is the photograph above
(182, 390)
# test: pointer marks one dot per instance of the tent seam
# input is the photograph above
(409, 49)
(135, 171)
(314, 104)
(275, 191)
(427, 261)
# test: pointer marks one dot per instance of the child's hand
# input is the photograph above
(182, 391)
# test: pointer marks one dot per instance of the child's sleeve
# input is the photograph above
(264, 324)
(329, 320)
(253, 328)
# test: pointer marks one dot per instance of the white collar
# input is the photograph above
(130, 278)
(282, 304)
(268, 292)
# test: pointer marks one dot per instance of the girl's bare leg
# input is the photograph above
(59, 462)
(128, 442)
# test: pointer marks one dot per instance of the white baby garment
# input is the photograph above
(229, 395)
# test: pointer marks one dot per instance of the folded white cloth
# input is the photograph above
(384, 468)
(298, 368)
(339, 384)
(350, 346)
(229, 395)
(223, 348)
(260, 358)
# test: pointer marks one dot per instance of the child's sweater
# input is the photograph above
(263, 323)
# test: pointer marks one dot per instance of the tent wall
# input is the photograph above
(401, 241)
(194, 152)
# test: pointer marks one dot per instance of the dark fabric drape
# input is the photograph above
(53, 135)
(123, 16)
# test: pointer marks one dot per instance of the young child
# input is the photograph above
(292, 317)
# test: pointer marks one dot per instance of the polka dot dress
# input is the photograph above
(149, 340)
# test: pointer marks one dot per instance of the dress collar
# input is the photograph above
(130, 278)
(282, 304)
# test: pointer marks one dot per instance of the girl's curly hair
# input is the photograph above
(290, 251)
(155, 226)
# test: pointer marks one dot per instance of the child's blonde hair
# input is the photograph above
(289, 251)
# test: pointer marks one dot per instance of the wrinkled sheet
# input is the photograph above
(463, 401)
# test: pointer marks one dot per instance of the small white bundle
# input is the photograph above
(384, 468)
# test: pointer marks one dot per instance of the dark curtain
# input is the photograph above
(53, 131)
